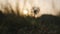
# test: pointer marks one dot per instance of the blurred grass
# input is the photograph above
(12, 24)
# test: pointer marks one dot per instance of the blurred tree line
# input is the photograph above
(12, 24)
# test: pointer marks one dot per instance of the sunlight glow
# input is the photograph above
(25, 12)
